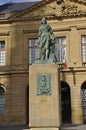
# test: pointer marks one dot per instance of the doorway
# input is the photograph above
(65, 103)
(27, 104)
(83, 94)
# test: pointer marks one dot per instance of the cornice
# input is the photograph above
(14, 71)
(54, 30)
(5, 33)
(50, 16)
(5, 21)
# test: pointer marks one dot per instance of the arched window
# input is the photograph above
(2, 100)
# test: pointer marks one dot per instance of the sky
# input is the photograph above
(6, 1)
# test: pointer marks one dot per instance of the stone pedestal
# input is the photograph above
(44, 106)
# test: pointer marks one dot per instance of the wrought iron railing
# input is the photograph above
(63, 66)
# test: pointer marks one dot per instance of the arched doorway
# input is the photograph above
(65, 103)
(83, 94)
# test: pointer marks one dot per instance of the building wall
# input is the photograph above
(75, 78)
(15, 74)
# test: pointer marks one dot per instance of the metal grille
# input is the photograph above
(83, 94)
(2, 101)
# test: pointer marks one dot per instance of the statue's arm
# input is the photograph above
(39, 35)
(51, 31)
(40, 32)
(52, 34)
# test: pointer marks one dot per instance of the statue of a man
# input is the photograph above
(46, 38)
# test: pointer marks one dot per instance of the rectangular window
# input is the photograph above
(60, 49)
(2, 53)
(33, 50)
(83, 40)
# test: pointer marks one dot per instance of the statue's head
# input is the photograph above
(59, 1)
(43, 21)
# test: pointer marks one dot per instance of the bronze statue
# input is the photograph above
(45, 40)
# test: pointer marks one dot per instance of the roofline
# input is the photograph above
(38, 4)
(32, 7)
(2, 6)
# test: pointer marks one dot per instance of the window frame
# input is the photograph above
(2, 53)
(82, 50)
(32, 58)
(61, 46)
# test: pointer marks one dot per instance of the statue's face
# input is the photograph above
(59, 1)
(43, 21)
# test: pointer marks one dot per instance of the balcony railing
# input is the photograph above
(84, 64)
(63, 66)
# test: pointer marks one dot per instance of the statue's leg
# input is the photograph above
(40, 50)
(47, 49)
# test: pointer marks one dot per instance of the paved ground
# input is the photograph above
(25, 127)
(14, 127)
(74, 127)
(82, 127)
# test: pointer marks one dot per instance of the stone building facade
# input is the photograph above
(18, 49)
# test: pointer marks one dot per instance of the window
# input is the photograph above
(2, 100)
(33, 50)
(2, 15)
(60, 49)
(83, 40)
(2, 53)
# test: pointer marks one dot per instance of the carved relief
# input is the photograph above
(67, 8)
(43, 84)
(58, 8)
(70, 9)
(83, 1)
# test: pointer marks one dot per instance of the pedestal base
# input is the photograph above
(42, 129)
(44, 106)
